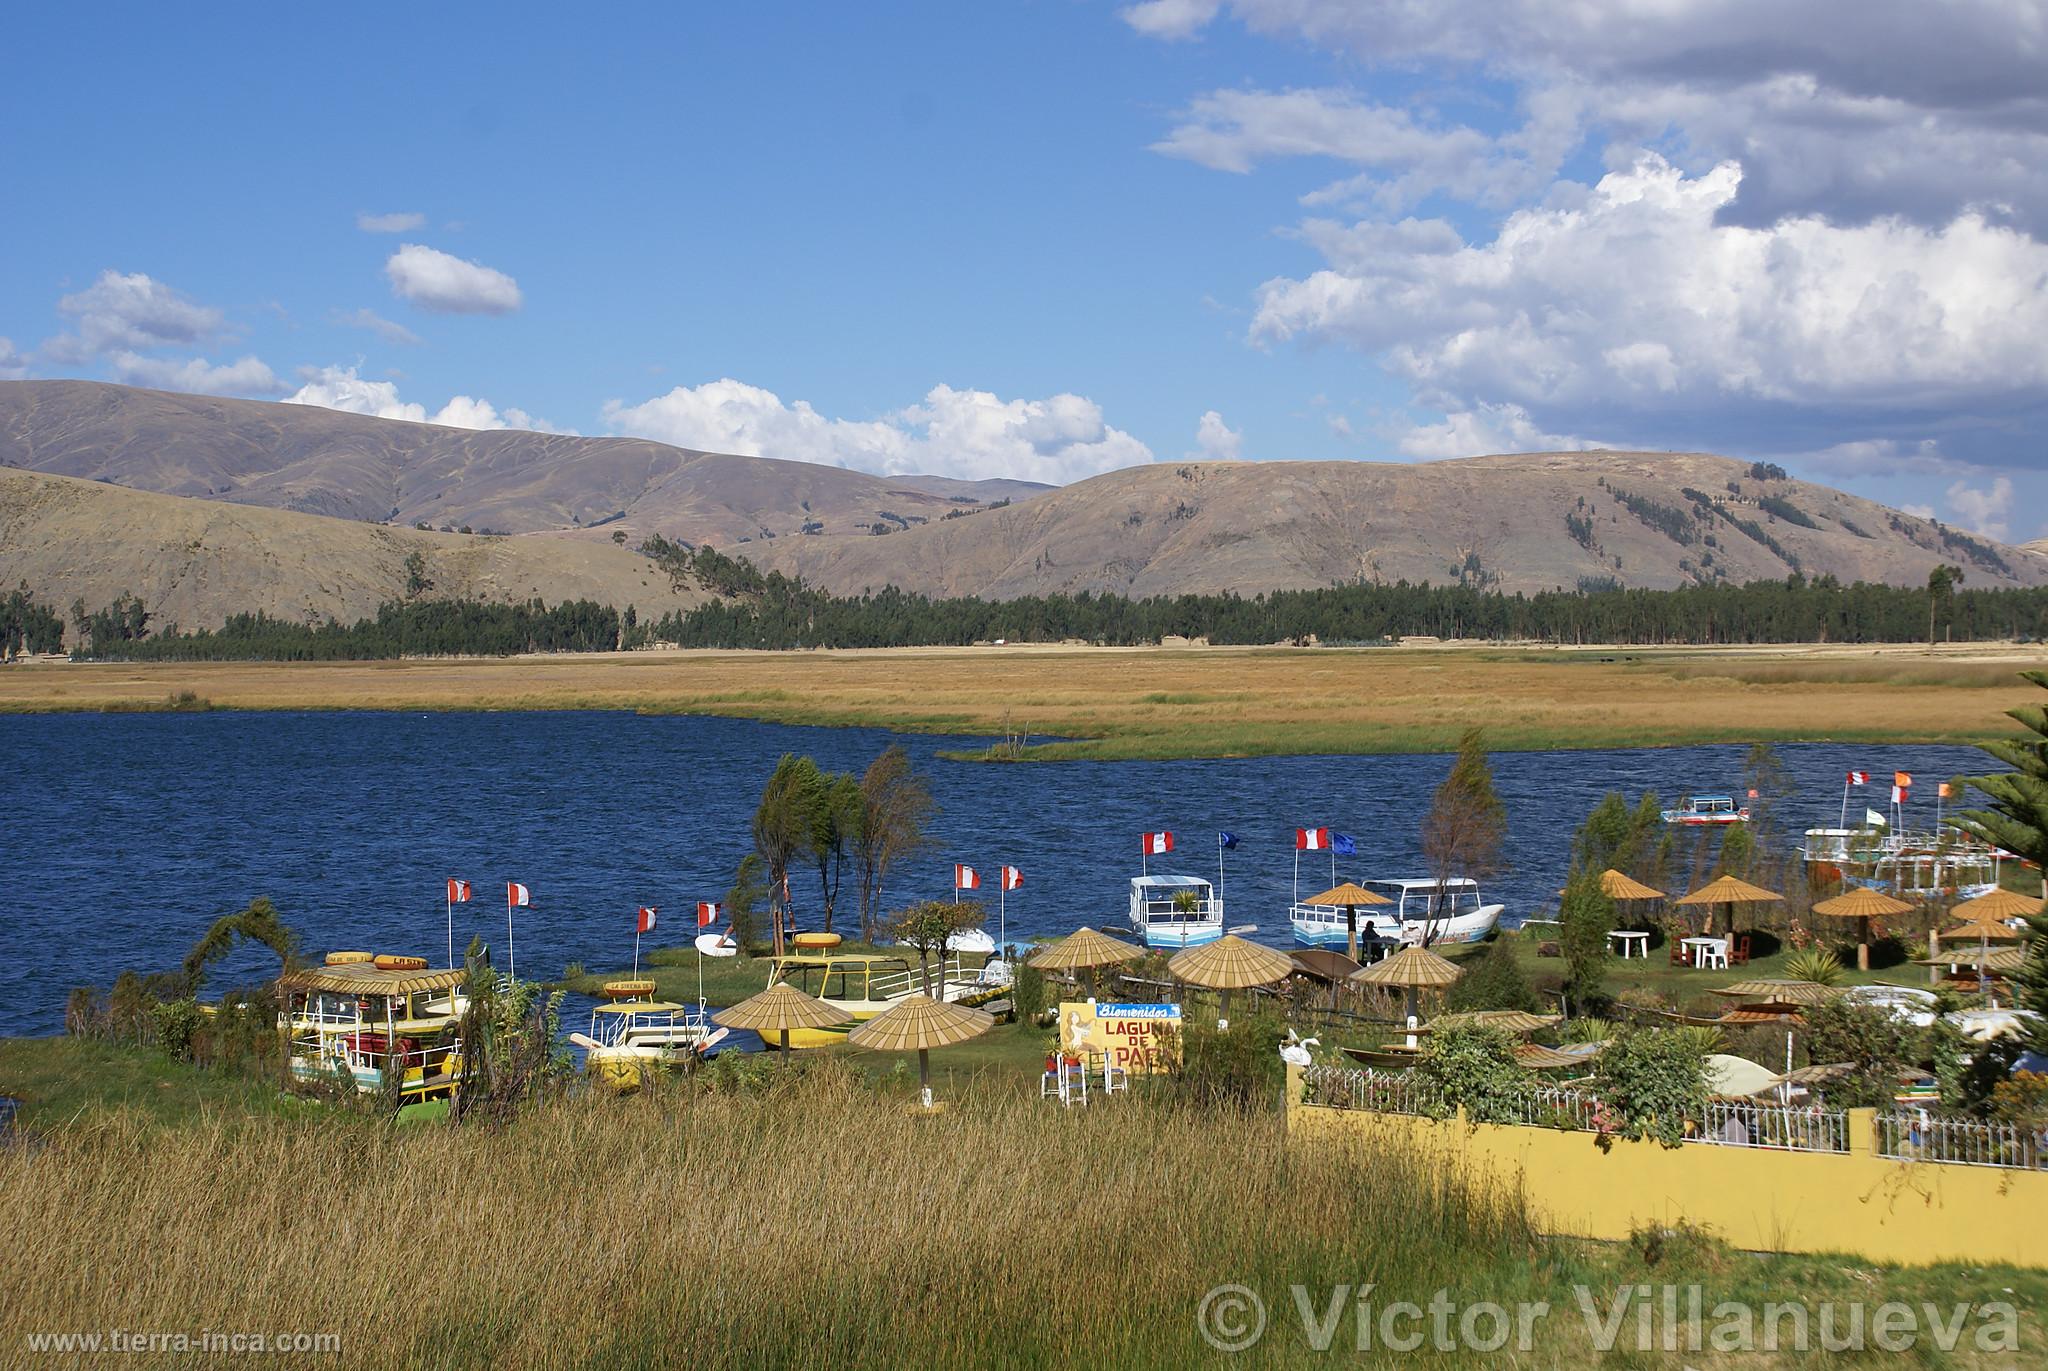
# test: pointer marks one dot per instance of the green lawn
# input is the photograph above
(58, 1079)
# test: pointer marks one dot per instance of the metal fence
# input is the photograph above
(1381, 1092)
(1562, 1107)
(1794, 1128)
(1915, 1135)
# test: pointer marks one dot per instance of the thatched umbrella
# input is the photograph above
(1518, 1021)
(1619, 885)
(1230, 963)
(918, 1023)
(1730, 891)
(1985, 917)
(778, 1009)
(1084, 950)
(1776, 1000)
(1862, 904)
(1323, 964)
(1350, 895)
(1413, 969)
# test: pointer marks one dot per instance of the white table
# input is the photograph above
(1706, 952)
(1630, 943)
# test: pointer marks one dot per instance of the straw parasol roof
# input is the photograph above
(2005, 958)
(358, 979)
(1531, 1057)
(1861, 902)
(1761, 1013)
(1082, 949)
(1347, 894)
(1997, 907)
(1507, 1020)
(1976, 954)
(778, 1010)
(1618, 885)
(918, 1023)
(1770, 990)
(1230, 963)
(1415, 968)
(1981, 931)
(1730, 890)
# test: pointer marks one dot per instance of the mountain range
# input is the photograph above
(205, 506)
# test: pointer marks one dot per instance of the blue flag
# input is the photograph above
(1226, 840)
(1343, 845)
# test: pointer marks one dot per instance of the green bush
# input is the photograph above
(1027, 992)
(1651, 1082)
(1493, 980)
(1587, 913)
(177, 1024)
(1473, 1067)
(1234, 1068)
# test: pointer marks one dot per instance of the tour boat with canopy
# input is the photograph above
(1706, 811)
(1175, 911)
(1418, 912)
(378, 1021)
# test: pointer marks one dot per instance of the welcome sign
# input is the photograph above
(1136, 1038)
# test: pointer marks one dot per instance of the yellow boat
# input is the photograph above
(866, 983)
(626, 1035)
(375, 1026)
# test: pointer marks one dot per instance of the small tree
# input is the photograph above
(743, 901)
(1492, 980)
(1586, 915)
(783, 828)
(927, 925)
(1868, 1039)
(1941, 593)
(835, 827)
(2017, 820)
(1651, 1082)
(895, 805)
(1466, 826)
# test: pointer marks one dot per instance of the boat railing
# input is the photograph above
(953, 973)
(1207, 910)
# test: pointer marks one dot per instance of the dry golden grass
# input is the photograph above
(1162, 702)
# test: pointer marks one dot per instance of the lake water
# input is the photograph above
(123, 836)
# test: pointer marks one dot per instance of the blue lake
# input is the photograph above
(123, 836)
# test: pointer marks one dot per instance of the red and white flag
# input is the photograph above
(965, 877)
(517, 895)
(1012, 878)
(1311, 839)
(458, 891)
(1899, 794)
(1859, 778)
(1902, 779)
(647, 913)
(707, 913)
(1155, 844)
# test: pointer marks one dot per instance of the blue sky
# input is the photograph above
(1048, 239)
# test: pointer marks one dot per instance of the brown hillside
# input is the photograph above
(193, 562)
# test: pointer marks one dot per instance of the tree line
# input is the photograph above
(771, 611)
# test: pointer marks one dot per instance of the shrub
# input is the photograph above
(1869, 1039)
(1473, 1066)
(1587, 913)
(176, 1023)
(1027, 992)
(1234, 1068)
(1815, 964)
(1492, 980)
(1651, 1082)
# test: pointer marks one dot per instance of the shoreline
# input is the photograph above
(1156, 703)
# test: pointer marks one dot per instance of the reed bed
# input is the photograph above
(820, 1226)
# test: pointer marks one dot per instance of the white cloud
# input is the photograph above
(1487, 428)
(195, 375)
(1988, 512)
(403, 222)
(1867, 457)
(13, 364)
(447, 284)
(389, 330)
(341, 388)
(1918, 511)
(1170, 19)
(968, 433)
(1217, 440)
(132, 311)
(1632, 296)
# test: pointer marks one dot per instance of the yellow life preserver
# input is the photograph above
(626, 990)
(348, 958)
(816, 940)
(387, 962)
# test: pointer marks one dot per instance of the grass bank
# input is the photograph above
(1109, 703)
(816, 1223)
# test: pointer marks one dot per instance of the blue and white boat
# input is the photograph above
(1175, 911)
(1706, 811)
(1418, 912)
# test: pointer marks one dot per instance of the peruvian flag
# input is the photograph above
(965, 877)
(647, 913)
(517, 895)
(707, 913)
(1012, 878)
(1154, 844)
(1311, 839)
(1902, 779)
(1899, 794)
(1859, 778)
(458, 891)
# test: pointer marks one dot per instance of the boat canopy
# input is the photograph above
(630, 1007)
(368, 980)
(1151, 883)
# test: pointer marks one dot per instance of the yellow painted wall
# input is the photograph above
(1859, 1203)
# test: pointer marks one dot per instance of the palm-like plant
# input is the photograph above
(1815, 964)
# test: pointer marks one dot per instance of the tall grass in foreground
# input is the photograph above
(821, 1226)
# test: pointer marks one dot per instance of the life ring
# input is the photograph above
(1745, 815)
(348, 958)
(626, 990)
(816, 940)
(384, 961)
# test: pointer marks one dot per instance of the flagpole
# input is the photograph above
(1297, 873)
(1002, 905)
(451, 925)
(1219, 866)
(1845, 804)
(636, 949)
(511, 960)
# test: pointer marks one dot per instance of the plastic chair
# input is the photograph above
(1740, 953)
